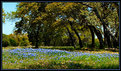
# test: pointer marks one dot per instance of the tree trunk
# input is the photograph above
(37, 36)
(107, 33)
(99, 35)
(36, 45)
(105, 38)
(116, 42)
(80, 42)
(93, 36)
(70, 35)
(109, 40)
(45, 42)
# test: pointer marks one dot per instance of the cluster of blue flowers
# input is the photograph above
(56, 54)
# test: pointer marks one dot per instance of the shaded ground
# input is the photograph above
(67, 65)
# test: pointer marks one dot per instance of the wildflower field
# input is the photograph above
(29, 58)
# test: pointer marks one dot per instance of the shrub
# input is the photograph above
(13, 42)
(5, 42)
(25, 43)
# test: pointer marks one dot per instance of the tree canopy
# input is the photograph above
(68, 23)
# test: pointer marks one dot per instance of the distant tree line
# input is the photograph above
(15, 40)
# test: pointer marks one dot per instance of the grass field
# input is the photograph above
(49, 58)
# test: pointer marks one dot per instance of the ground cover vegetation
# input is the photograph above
(28, 58)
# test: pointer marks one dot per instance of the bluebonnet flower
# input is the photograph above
(15, 61)
(35, 59)
(63, 55)
(58, 58)
(42, 58)
(21, 61)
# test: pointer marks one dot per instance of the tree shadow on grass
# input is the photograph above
(54, 65)
(70, 48)
(66, 65)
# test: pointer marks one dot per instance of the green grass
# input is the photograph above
(57, 60)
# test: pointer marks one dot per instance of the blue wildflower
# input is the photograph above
(21, 61)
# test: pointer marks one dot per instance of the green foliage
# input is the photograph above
(97, 43)
(3, 16)
(15, 40)
(5, 41)
(25, 43)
